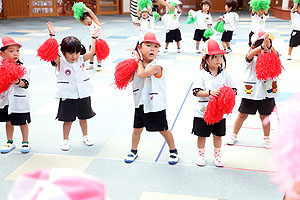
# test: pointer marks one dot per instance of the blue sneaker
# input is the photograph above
(130, 157)
(173, 159)
(8, 147)
(25, 148)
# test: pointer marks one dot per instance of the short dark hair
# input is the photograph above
(232, 4)
(203, 64)
(84, 15)
(205, 2)
(70, 44)
(3, 48)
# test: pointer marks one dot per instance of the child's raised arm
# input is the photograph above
(92, 51)
(295, 7)
(93, 16)
(52, 34)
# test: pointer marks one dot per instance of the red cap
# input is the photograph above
(212, 47)
(8, 41)
(150, 37)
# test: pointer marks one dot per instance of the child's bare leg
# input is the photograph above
(197, 45)
(224, 45)
(266, 125)
(136, 135)
(239, 122)
(178, 45)
(228, 45)
(290, 50)
(167, 45)
(201, 142)
(92, 59)
(66, 129)
(83, 126)
(217, 141)
(9, 130)
(169, 138)
(25, 132)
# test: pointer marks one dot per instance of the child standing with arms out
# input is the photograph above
(295, 35)
(204, 21)
(228, 19)
(171, 22)
(255, 95)
(149, 88)
(74, 87)
(14, 103)
(258, 22)
(211, 77)
(91, 20)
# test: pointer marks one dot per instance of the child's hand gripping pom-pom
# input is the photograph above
(257, 5)
(219, 27)
(48, 51)
(268, 65)
(208, 33)
(9, 73)
(102, 49)
(124, 71)
(190, 18)
(78, 9)
(219, 105)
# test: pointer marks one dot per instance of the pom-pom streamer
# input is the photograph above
(9, 72)
(78, 9)
(208, 33)
(220, 105)
(191, 20)
(144, 3)
(48, 51)
(124, 71)
(268, 65)
(296, 1)
(156, 16)
(260, 5)
(219, 27)
(102, 49)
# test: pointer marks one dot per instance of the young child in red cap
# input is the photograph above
(211, 77)
(14, 102)
(149, 90)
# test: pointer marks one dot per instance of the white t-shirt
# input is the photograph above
(203, 20)
(147, 25)
(171, 21)
(295, 18)
(258, 23)
(92, 27)
(228, 19)
(205, 81)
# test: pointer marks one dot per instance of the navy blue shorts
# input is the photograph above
(16, 119)
(201, 129)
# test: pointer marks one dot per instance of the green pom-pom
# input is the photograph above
(208, 32)
(190, 20)
(219, 27)
(174, 5)
(296, 1)
(78, 9)
(143, 4)
(260, 5)
(156, 15)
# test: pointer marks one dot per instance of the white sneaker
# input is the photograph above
(99, 68)
(232, 139)
(165, 51)
(130, 157)
(289, 57)
(267, 143)
(198, 51)
(178, 51)
(173, 159)
(25, 148)
(218, 161)
(65, 145)
(87, 141)
(91, 66)
(8, 147)
(200, 161)
(228, 50)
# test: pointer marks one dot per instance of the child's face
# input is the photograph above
(145, 14)
(260, 12)
(149, 50)
(205, 7)
(11, 53)
(215, 61)
(72, 57)
(87, 20)
(227, 9)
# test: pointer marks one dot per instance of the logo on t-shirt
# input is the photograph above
(261, 22)
(67, 72)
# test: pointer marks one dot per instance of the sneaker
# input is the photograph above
(173, 159)
(165, 51)
(178, 51)
(289, 57)
(65, 145)
(218, 161)
(8, 147)
(200, 161)
(232, 139)
(91, 66)
(99, 68)
(267, 143)
(130, 157)
(25, 148)
(198, 51)
(228, 50)
(86, 140)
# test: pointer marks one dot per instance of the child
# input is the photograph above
(228, 19)
(90, 19)
(149, 88)
(255, 96)
(74, 87)
(258, 22)
(171, 22)
(211, 78)
(14, 103)
(295, 35)
(204, 21)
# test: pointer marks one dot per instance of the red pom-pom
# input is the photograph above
(48, 51)
(268, 65)
(220, 105)
(9, 72)
(124, 71)
(102, 49)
